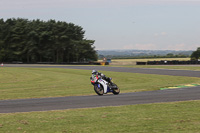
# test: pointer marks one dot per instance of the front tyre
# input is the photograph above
(116, 90)
(98, 90)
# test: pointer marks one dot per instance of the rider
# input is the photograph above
(98, 74)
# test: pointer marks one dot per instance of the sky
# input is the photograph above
(120, 24)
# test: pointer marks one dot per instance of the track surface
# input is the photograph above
(58, 103)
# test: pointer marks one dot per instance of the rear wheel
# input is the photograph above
(116, 90)
(98, 90)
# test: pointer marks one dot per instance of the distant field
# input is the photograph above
(178, 67)
(177, 117)
(17, 83)
(133, 61)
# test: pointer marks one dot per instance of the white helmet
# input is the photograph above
(94, 71)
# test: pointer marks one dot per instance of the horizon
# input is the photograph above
(139, 50)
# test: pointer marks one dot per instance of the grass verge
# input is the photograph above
(18, 83)
(157, 118)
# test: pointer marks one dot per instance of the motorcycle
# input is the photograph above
(101, 86)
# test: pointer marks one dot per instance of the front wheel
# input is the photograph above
(98, 90)
(116, 90)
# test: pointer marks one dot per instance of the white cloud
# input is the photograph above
(156, 34)
(140, 46)
(163, 33)
(182, 46)
(151, 46)
(160, 34)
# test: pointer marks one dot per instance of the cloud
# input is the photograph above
(151, 46)
(163, 33)
(160, 34)
(141, 46)
(181, 46)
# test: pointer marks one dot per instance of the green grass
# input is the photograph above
(148, 118)
(18, 83)
(51, 82)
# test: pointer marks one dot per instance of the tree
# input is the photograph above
(2, 49)
(196, 54)
(40, 41)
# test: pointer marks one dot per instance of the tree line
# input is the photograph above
(32, 41)
(196, 54)
(144, 56)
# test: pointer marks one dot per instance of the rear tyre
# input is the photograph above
(98, 90)
(116, 90)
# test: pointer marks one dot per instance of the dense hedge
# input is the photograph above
(31, 41)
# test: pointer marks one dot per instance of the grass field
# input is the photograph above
(177, 117)
(19, 83)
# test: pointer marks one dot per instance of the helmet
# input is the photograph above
(94, 71)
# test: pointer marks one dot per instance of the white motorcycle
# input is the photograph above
(101, 86)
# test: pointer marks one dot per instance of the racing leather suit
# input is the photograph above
(101, 75)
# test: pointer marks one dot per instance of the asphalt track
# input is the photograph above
(60, 103)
